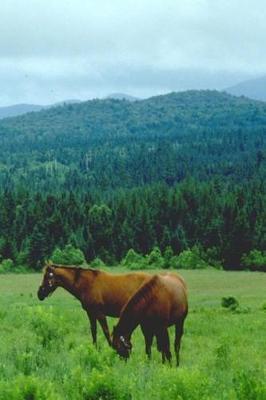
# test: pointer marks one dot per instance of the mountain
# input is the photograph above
(186, 170)
(64, 102)
(254, 89)
(109, 144)
(121, 96)
(20, 109)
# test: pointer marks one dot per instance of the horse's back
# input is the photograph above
(113, 291)
(169, 299)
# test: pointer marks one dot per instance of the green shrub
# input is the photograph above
(47, 325)
(6, 266)
(230, 302)
(168, 256)
(255, 260)
(131, 257)
(155, 258)
(212, 257)
(190, 259)
(134, 260)
(68, 256)
(21, 258)
(223, 355)
(97, 263)
(21, 269)
(102, 385)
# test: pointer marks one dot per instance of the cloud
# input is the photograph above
(90, 48)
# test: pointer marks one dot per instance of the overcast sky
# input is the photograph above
(51, 50)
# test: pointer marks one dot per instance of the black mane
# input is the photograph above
(142, 294)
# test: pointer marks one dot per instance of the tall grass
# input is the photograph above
(46, 351)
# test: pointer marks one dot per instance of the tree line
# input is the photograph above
(225, 221)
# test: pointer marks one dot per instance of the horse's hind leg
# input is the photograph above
(178, 335)
(163, 344)
(148, 335)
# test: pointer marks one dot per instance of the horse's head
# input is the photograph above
(121, 344)
(49, 282)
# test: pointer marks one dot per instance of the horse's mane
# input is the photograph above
(142, 295)
(72, 267)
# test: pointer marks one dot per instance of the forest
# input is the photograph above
(179, 172)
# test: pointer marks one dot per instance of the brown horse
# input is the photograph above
(159, 303)
(101, 294)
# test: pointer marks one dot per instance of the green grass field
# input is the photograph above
(46, 351)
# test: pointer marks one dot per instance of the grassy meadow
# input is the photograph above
(46, 351)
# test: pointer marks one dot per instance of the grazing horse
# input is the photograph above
(159, 303)
(101, 294)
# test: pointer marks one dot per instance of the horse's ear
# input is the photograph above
(48, 267)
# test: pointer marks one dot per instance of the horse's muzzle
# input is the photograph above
(41, 293)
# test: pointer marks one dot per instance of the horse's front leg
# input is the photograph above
(148, 335)
(93, 324)
(103, 322)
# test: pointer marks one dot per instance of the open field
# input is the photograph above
(46, 351)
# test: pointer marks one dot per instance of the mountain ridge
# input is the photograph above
(24, 108)
(107, 144)
(254, 89)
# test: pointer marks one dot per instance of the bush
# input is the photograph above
(21, 258)
(97, 263)
(230, 302)
(102, 385)
(155, 259)
(168, 256)
(134, 260)
(6, 266)
(212, 257)
(255, 260)
(131, 257)
(47, 325)
(68, 256)
(190, 259)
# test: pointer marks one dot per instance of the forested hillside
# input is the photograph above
(172, 171)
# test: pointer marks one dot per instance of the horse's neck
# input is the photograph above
(126, 325)
(68, 281)
(129, 320)
(136, 307)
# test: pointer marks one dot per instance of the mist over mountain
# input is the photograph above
(20, 109)
(254, 89)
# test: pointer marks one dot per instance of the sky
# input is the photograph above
(54, 50)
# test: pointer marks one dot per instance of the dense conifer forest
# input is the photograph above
(180, 171)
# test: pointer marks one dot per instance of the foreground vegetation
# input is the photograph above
(46, 352)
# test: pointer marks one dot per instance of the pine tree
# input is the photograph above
(37, 248)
